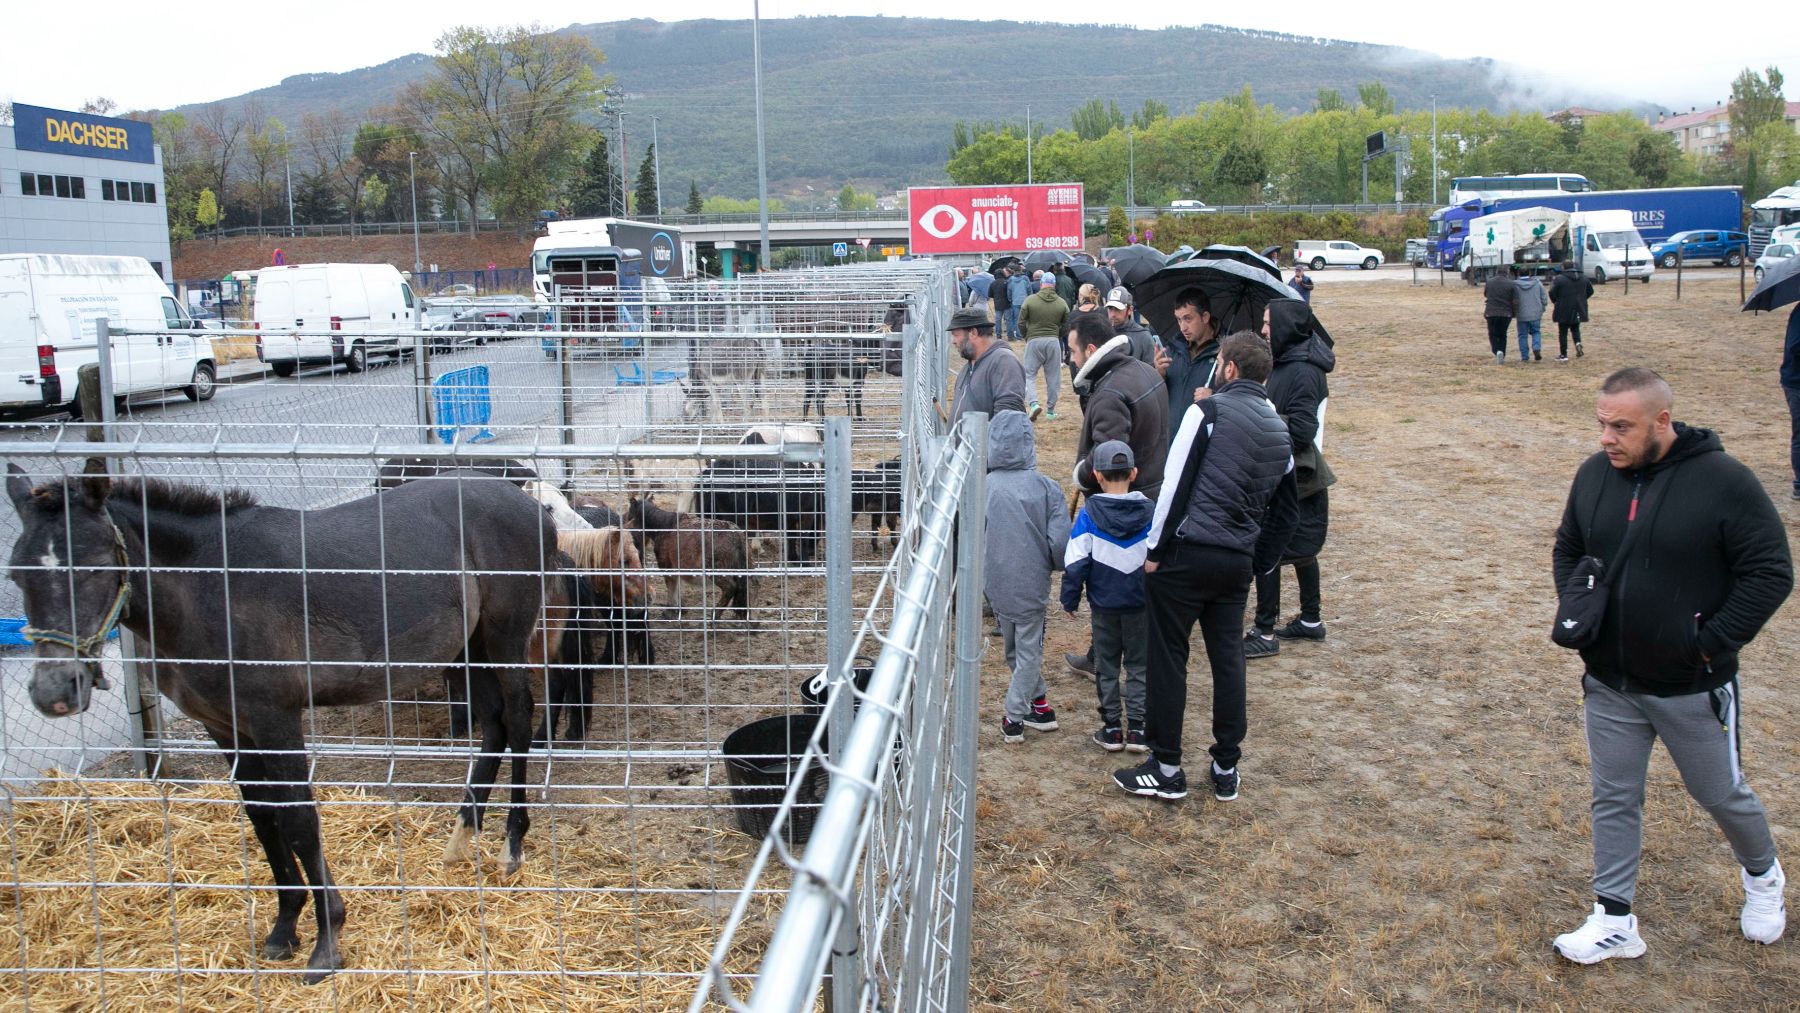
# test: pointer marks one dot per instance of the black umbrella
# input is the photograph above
(1241, 254)
(1780, 285)
(1000, 262)
(1083, 257)
(1043, 260)
(1086, 274)
(1136, 262)
(1236, 293)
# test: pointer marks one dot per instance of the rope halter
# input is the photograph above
(89, 646)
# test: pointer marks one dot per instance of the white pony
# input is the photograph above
(561, 513)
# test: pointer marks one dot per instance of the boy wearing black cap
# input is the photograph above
(1106, 553)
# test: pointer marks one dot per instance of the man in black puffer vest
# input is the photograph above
(1228, 478)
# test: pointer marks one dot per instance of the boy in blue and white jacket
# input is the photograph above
(1107, 547)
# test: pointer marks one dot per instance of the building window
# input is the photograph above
(42, 185)
(106, 189)
(149, 193)
(46, 186)
(137, 191)
(62, 186)
(78, 187)
(28, 184)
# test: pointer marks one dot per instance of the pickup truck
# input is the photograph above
(1727, 248)
(1318, 254)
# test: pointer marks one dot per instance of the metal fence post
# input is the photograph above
(144, 717)
(965, 705)
(845, 966)
(567, 401)
(422, 383)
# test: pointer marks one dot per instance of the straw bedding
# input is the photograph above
(607, 939)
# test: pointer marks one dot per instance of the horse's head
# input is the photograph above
(610, 563)
(633, 582)
(69, 565)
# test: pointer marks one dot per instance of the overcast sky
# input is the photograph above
(155, 57)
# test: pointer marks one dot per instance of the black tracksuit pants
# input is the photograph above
(1206, 585)
(1497, 328)
(1268, 593)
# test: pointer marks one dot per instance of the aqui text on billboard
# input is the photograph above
(995, 219)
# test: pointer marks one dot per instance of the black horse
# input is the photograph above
(329, 608)
(828, 362)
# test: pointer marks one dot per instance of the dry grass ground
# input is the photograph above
(1413, 827)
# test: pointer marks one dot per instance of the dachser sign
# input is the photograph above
(58, 132)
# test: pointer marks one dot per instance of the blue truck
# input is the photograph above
(1657, 214)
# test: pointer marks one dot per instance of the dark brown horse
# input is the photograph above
(258, 613)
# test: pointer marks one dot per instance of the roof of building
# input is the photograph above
(1704, 116)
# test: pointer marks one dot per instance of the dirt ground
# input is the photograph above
(1413, 825)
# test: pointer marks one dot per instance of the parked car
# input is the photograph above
(1319, 254)
(311, 314)
(1188, 206)
(1773, 254)
(451, 290)
(1728, 248)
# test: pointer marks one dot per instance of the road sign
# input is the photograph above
(862, 241)
(995, 219)
(840, 249)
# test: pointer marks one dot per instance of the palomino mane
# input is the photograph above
(179, 498)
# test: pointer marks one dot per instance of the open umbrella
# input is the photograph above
(1042, 260)
(1241, 254)
(1086, 274)
(1083, 257)
(1236, 293)
(1135, 263)
(1000, 262)
(1780, 285)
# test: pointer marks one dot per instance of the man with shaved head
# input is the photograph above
(1694, 561)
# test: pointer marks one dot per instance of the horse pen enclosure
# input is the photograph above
(435, 552)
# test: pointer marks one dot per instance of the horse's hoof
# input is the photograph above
(279, 949)
(458, 849)
(512, 865)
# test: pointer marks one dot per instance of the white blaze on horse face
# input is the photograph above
(49, 561)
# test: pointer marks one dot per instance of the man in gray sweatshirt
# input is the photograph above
(993, 381)
(1528, 316)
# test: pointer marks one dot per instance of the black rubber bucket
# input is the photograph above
(760, 758)
(813, 690)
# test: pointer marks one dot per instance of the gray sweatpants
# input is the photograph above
(1120, 635)
(1700, 731)
(1024, 639)
(1044, 354)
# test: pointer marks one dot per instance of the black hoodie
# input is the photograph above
(1303, 355)
(1708, 570)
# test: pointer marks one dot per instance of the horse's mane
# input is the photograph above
(176, 497)
(586, 547)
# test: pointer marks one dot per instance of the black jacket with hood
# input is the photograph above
(1298, 389)
(1121, 399)
(1708, 570)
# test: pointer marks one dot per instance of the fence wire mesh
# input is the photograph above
(355, 643)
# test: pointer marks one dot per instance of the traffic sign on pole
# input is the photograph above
(840, 249)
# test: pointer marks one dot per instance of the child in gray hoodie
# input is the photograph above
(1027, 532)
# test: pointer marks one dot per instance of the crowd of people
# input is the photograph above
(1199, 465)
(1201, 469)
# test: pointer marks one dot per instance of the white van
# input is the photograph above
(1607, 246)
(313, 314)
(48, 306)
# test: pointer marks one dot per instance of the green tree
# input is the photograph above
(1329, 101)
(503, 111)
(852, 199)
(1244, 168)
(644, 194)
(265, 150)
(693, 202)
(595, 193)
(1152, 112)
(1654, 157)
(1118, 227)
(206, 212)
(737, 206)
(1375, 98)
(1094, 119)
(1756, 99)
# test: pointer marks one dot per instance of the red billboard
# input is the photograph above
(995, 219)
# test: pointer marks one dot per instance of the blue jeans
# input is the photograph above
(1012, 321)
(1534, 330)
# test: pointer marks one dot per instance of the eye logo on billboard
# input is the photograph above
(58, 132)
(928, 221)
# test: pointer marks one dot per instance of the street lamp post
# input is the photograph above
(1434, 161)
(762, 156)
(413, 171)
(656, 164)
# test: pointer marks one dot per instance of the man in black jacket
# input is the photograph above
(1122, 399)
(1297, 388)
(1569, 294)
(1706, 566)
(1229, 477)
(1500, 304)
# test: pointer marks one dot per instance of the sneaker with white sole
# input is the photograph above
(1765, 910)
(1011, 731)
(1147, 779)
(1036, 410)
(1601, 937)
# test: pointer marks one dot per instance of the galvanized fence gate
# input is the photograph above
(318, 600)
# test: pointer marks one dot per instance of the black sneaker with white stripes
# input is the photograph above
(1147, 779)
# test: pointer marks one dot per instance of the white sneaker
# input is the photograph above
(1499, 358)
(1600, 937)
(1765, 912)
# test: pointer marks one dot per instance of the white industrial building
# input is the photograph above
(82, 183)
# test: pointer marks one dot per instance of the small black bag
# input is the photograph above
(1581, 606)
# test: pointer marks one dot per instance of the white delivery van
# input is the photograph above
(48, 306)
(314, 314)
(1606, 246)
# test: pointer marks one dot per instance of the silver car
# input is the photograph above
(1773, 254)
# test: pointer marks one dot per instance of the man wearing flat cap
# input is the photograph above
(994, 380)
